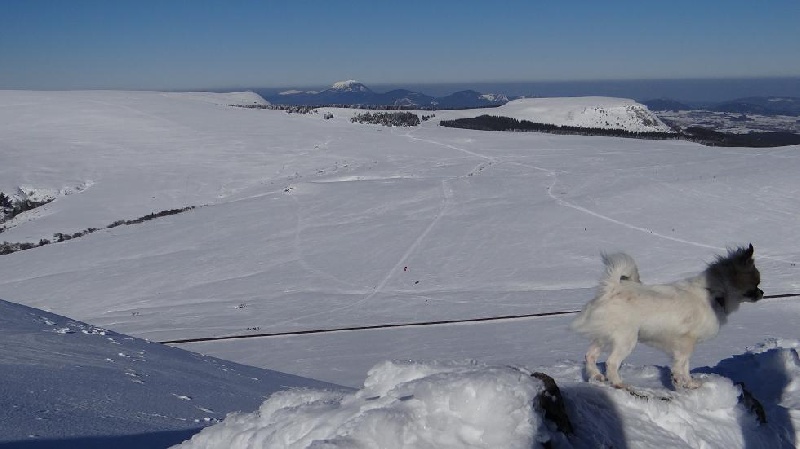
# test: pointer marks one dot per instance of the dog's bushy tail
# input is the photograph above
(619, 267)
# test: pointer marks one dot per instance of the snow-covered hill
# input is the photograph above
(304, 223)
(69, 384)
(589, 112)
(350, 86)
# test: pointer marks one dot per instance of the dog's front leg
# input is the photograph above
(680, 366)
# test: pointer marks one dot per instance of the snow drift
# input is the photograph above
(402, 405)
(468, 405)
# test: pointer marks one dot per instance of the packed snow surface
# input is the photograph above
(306, 224)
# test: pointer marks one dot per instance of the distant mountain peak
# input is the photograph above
(350, 86)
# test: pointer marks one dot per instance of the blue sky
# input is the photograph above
(185, 44)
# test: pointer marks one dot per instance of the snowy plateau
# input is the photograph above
(311, 234)
(585, 112)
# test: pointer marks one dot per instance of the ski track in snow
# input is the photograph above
(562, 202)
(632, 226)
(447, 195)
(411, 136)
(447, 192)
(554, 175)
(565, 203)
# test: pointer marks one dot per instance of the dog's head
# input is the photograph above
(736, 278)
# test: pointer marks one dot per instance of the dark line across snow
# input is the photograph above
(399, 325)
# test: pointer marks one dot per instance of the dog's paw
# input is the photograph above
(687, 383)
(597, 377)
(693, 384)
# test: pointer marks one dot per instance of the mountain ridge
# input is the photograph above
(355, 93)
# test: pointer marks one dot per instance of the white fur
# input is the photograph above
(672, 317)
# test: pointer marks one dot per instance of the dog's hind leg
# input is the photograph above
(592, 371)
(680, 365)
(621, 347)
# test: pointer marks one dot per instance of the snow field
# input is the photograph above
(306, 223)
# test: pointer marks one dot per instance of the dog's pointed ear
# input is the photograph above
(746, 255)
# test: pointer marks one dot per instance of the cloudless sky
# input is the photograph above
(186, 44)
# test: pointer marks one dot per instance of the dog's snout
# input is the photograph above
(755, 294)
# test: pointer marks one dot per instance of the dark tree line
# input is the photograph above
(9, 247)
(694, 134)
(367, 107)
(496, 123)
(290, 109)
(388, 118)
(751, 139)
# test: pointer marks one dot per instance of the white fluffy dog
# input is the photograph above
(672, 317)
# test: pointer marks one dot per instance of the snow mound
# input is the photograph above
(402, 405)
(222, 98)
(749, 400)
(709, 417)
(589, 112)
